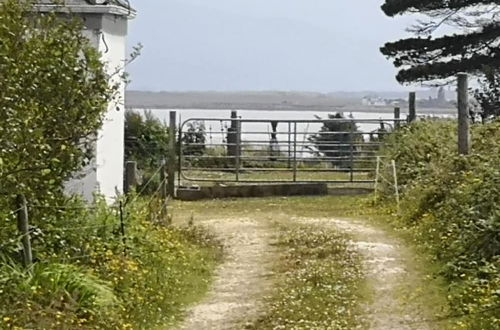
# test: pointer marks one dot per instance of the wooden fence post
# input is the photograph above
(232, 137)
(163, 179)
(122, 228)
(172, 154)
(23, 227)
(131, 178)
(464, 142)
(397, 116)
(412, 102)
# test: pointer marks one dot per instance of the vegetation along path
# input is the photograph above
(396, 294)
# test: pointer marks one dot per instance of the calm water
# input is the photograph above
(216, 129)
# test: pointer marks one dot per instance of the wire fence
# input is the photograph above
(29, 223)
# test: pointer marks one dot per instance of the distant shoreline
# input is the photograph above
(349, 109)
(278, 101)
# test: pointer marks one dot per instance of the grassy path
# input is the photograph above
(250, 291)
(393, 284)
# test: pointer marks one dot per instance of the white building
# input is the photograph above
(373, 101)
(106, 24)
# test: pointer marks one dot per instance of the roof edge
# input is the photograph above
(87, 9)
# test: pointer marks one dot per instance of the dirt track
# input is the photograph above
(245, 278)
(390, 282)
(242, 280)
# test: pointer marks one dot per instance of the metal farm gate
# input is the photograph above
(239, 151)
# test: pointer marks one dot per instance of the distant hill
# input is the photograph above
(265, 100)
(235, 100)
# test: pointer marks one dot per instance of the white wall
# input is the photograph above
(110, 143)
(105, 173)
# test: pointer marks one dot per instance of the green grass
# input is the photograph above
(426, 289)
(269, 209)
(196, 176)
(319, 284)
(163, 270)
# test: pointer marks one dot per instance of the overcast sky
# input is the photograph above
(226, 45)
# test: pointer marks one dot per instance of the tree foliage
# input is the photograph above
(473, 48)
(488, 93)
(146, 139)
(336, 146)
(54, 92)
(194, 139)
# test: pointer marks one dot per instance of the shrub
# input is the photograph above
(54, 92)
(146, 140)
(88, 275)
(451, 204)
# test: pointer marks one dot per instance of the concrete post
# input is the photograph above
(464, 140)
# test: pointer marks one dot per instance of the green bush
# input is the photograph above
(451, 204)
(54, 93)
(146, 140)
(88, 275)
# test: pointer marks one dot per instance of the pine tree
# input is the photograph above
(475, 48)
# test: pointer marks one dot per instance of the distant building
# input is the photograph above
(439, 102)
(441, 95)
(373, 101)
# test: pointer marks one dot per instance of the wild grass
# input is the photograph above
(319, 280)
(90, 278)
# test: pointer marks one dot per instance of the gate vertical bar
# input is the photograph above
(171, 162)
(179, 152)
(130, 176)
(295, 152)
(351, 160)
(238, 150)
(377, 175)
(289, 144)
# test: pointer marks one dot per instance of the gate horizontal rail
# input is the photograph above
(281, 150)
